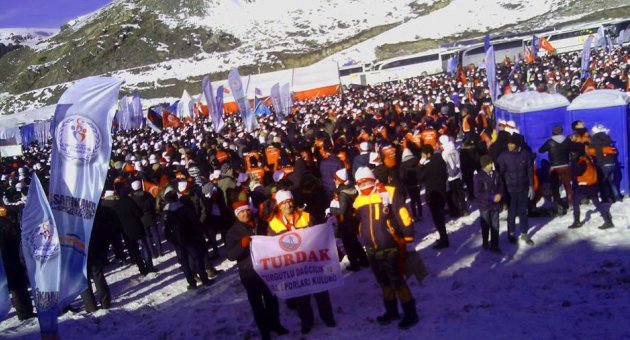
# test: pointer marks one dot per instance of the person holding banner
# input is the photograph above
(385, 228)
(285, 219)
(264, 304)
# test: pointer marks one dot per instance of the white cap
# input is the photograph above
(19, 186)
(364, 173)
(283, 195)
(375, 159)
(136, 185)
(444, 139)
(137, 165)
(406, 154)
(182, 185)
(278, 175)
(152, 159)
(215, 175)
(342, 175)
(364, 146)
(109, 193)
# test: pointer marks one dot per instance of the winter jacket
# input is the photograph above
(277, 225)
(327, 168)
(345, 195)
(583, 172)
(384, 219)
(408, 172)
(487, 185)
(516, 169)
(601, 142)
(359, 161)
(236, 252)
(433, 175)
(10, 239)
(146, 202)
(180, 225)
(558, 148)
(130, 217)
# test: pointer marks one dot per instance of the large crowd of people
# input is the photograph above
(391, 149)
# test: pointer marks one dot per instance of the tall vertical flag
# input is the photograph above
(491, 73)
(610, 44)
(215, 114)
(240, 97)
(124, 114)
(586, 55)
(40, 247)
(451, 66)
(136, 108)
(486, 42)
(154, 118)
(80, 160)
(600, 37)
(219, 100)
(5, 299)
(277, 102)
(535, 45)
(183, 107)
(286, 98)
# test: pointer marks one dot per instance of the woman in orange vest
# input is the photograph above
(584, 176)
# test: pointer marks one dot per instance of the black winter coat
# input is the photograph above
(10, 240)
(558, 148)
(516, 169)
(433, 175)
(130, 217)
(235, 252)
(409, 173)
(599, 141)
(327, 168)
(180, 225)
(146, 203)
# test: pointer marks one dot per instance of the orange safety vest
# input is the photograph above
(273, 156)
(222, 156)
(589, 176)
(429, 136)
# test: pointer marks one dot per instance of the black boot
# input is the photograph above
(411, 316)
(607, 222)
(391, 312)
(576, 224)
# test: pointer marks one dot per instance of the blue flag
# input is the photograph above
(41, 250)
(491, 73)
(81, 150)
(586, 55)
(486, 42)
(154, 118)
(535, 45)
(219, 100)
(125, 119)
(5, 299)
(451, 68)
(213, 110)
(240, 97)
(136, 108)
(261, 108)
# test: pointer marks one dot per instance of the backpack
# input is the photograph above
(589, 176)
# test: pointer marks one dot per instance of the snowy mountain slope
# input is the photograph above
(26, 36)
(571, 284)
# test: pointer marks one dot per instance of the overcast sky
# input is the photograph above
(44, 13)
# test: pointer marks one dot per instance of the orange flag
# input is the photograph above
(461, 75)
(169, 119)
(588, 86)
(546, 45)
(529, 55)
(151, 188)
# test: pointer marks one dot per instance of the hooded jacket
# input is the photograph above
(558, 148)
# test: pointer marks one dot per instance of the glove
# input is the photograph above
(245, 241)
(530, 193)
(410, 247)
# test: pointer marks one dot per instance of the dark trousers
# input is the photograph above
(96, 273)
(21, 301)
(264, 304)
(589, 192)
(117, 245)
(561, 176)
(469, 180)
(190, 258)
(385, 264)
(354, 250)
(489, 220)
(154, 240)
(436, 206)
(456, 200)
(609, 183)
(305, 312)
(416, 202)
(518, 207)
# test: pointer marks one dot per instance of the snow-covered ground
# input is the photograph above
(570, 284)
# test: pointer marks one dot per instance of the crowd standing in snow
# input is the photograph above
(370, 152)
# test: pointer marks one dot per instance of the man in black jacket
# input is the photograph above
(558, 147)
(432, 173)
(516, 168)
(341, 207)
(264, 304)
(146, 203)
(97, 259)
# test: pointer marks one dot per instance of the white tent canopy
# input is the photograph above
(27, 117)
(531, 102)
(598, 99)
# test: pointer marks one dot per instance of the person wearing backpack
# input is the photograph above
(584, 176)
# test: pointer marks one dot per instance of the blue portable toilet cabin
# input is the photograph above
(610, 109)
(533, 115)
